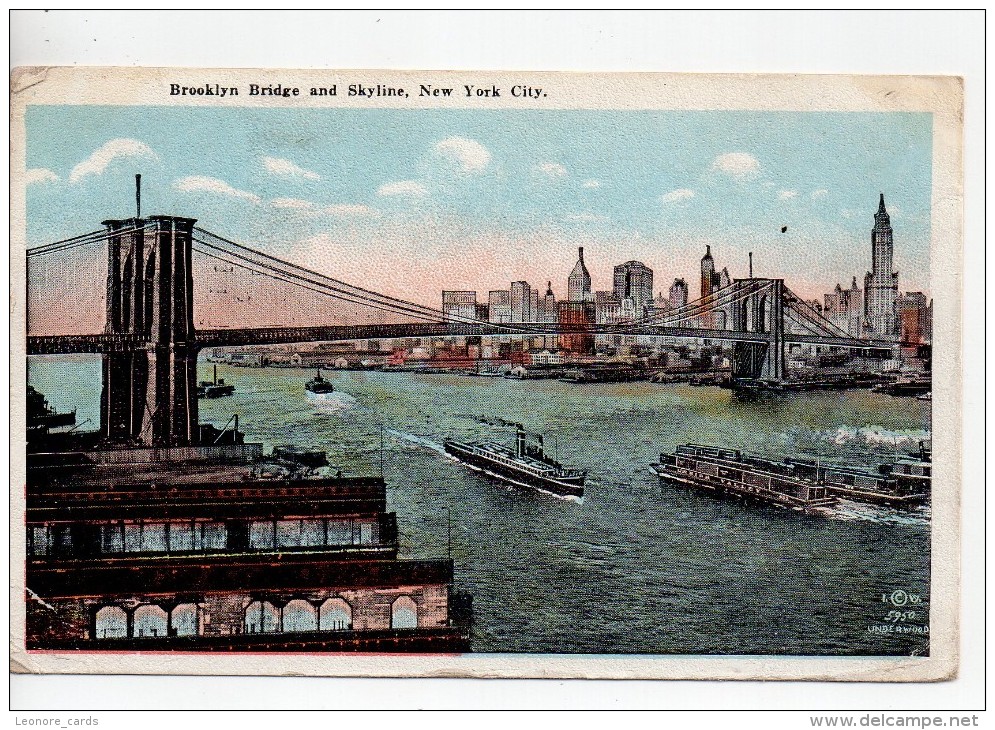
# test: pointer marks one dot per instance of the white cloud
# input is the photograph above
(97, 162)
(349, 210)
(468, 153)
(816, 194)
(676, 196)
(403, 188)
(286, 168)
(787, 194)
(200, 183)
(40, 175)
(738, 165)
(295, 203)
(552, 169)
(591, 184)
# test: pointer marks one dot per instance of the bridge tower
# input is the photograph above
(150, 394)
(760, 312)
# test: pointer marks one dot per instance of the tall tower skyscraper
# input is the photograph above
(707, 272)
(881, 282)
(634, 280)
(579, 281)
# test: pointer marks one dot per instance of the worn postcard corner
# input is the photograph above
(478, 374)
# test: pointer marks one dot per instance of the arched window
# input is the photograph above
(185, 620)
(336, 615)
(150, 621)
(261, 617)
(404, 614)
(112, 623)
(299, 615)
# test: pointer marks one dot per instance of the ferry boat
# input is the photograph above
(725, 472)
(526, 465)
(894, 485)
(214, 388)
(318, 385)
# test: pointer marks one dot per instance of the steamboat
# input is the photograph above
(214, 388)
(318, 385)
(525, 465)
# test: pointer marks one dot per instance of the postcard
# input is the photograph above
(479, 374)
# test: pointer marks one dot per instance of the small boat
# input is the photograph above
(925, 396)
(526, 465)
(41, 416)
(214, 388)
(318, 385)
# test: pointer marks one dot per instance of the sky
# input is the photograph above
(411, 202)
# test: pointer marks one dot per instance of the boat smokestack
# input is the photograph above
(751, 264)
(138, 196)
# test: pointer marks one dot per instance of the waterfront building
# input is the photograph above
(577, 319)
(634, 280)
(499, 306)
(459, 306)
(881, 282)
(845, 309)
(912, 313)
(521, 301)
(678, 294)
(209, 549)
(579, 281)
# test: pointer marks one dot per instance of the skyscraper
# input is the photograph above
(707, 272)
(521, 301)
(881, 282)
(634, 280)
(579, 281)
(547, 305)
(499, 306)
(459, 306)
(678, 293)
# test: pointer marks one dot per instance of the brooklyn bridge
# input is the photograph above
(155, 326)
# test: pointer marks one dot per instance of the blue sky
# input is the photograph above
(412, 201)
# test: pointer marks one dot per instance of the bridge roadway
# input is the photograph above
(109, 343)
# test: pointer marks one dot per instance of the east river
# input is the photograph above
(637, 566)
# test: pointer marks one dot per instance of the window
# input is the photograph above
(181, 536)
(288, 533)
(335, 615)
(132, 537)
(154, 537)
(261, 617)
(112, 623)
(112, 538)
(299, 615)
(404, 614)
(39, 541)
(260, 534)
(339, 532)
(151, 621)
(185, 620)
(213, 536)
(312, 533)
(365, 533)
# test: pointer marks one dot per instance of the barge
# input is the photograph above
(527, 465)
(725, 472)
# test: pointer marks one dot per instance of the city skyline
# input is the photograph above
(361, 196)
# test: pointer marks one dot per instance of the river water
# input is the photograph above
(637, 566)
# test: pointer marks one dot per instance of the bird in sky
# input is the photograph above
(784, 229)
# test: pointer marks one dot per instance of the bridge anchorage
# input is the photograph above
(150, 344)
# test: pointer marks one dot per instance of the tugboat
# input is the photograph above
(527, 465)
(41, 416)
(318, 385)
(214, 388)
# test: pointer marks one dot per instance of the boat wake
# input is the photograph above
(328, 403)
(877, 436)
(419, 440)
(859, 512)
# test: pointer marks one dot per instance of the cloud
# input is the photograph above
(97, 162)
(294, 203)
(552, 169)
(816, 194)
(787, 194)
(200, 183)
(591, 184)
(468, 153)
(285, 168)
(40, 175)
(676, 196)
(738, 165)
(403, 188)
(349, 210)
